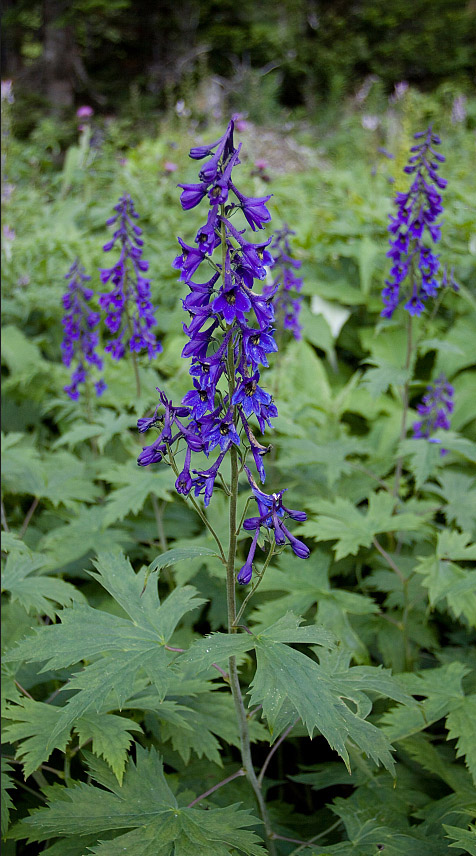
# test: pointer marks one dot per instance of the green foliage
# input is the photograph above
(362, 656)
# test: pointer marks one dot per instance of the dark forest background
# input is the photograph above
(296, 54)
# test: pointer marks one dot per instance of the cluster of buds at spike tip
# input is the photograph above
(286, 285)
(129, 312)
(435, 409)
(230, 330)
(80, 342)
(414, 231)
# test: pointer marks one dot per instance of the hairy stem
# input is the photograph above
(274, 748)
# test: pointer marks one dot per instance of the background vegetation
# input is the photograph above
(335, 141)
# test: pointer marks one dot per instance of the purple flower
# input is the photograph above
(286, 285)
(435, 410)
(130, 314)
(230, 333)
(414, 231)
(79, 343)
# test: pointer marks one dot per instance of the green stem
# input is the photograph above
(256, 584)
(405, 402)
(245, 742)
(197, 507)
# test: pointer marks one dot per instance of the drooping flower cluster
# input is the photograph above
(414, 230)
(272, 514)
(435, 409)
(130, 313)
(80, 342)
(287, 300)
(230, 330)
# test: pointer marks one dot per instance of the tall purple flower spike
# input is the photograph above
(287, 300)
(435, 409)
(130, 314)
(414, 231)
(230, 331)
(80, 342)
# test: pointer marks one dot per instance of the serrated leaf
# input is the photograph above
(342, 521)
(146, 806)
(424, 458)
(24, 578)
(461, 725)
(444, 579)
(137, 485)
(126, 648)
(111, 737)
(333, 455)
(377, 380)
(464, 839)
(289, 684)
(180, 554)
(459, 493)
(7, 802)
(32, 723)
(219, 647)
(442, 689)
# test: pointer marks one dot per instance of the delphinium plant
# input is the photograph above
(286, 285)
(230, 334)
(80, 339)
(130, 317)
(416, 276)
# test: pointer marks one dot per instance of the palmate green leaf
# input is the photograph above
(461, 725)
(32, 723)
(444, 579)
(125, 648)
(377, 380)
(459, 493)
(146, 805)
(60, 477)
(342, 521)
(111, 737)
(333, 455)
(423, 458)
(443, 692)
(84, 532)
(132, 495)
(179, 554)
(464, 839)
(7, 802)
(24, 578)
(288, 684)
(219, 647)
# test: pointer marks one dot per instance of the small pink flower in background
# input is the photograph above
(399, 91)
(370, 123)
(261, 164)
(7, 91)
(240, 123)
(84, 112)
(458, 110)
(169, 166)
(8, 233)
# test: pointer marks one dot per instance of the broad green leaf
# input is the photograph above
(377, 380)
(60, 477)
(219, 647)
(443, 691)
(146, 806)
(138, 485)
(288, 685)
(424, 458)
(342, 521)
(125, 648)
(111, 737)
(85, 532)
(445, 579)
(180, 554)
(462, 839)
(32, 723)
(458, 490)
(24, 578)
(333, 455)
(7, 802)
(461, 725)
